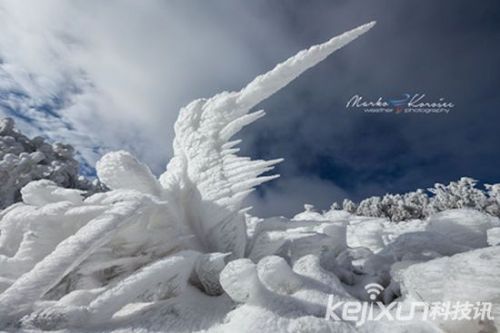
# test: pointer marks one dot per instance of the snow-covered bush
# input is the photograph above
(460, 194)
(349, 206)
(23, 160)
(419, 205)
(493, 202)
(370, 207)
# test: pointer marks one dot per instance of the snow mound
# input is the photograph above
(121, 170)
(464, 226)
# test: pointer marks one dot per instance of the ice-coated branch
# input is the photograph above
(18, 299)
(166, 277)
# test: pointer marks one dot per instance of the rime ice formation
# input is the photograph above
(23, 160)
(179, 253)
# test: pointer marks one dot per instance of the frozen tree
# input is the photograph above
(493, 203)
(349, 206)
(408, 206)
(460, 194)
(23, 160)
(393, 207)
(334, 206)
(370, 207)
(418, 204)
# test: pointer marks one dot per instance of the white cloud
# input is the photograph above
(117, 72)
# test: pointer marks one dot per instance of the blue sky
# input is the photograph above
(113, 75)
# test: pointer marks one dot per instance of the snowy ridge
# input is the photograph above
(178, 254)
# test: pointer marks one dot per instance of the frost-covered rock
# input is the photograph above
(469, 277)
(464, 226)
(366, 232)
(493, 235)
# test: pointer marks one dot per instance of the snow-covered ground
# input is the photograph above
(179, 254)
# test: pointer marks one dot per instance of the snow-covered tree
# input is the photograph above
(370, 207)
(349, 206)
(460, 194)
(334, 206)
(418, 204)
(493, 202)
(23, 160)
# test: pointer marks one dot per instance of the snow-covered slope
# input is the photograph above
(178, 254)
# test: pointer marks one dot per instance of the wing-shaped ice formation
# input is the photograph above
(206, 179)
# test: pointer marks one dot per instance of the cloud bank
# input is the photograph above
(108, 75)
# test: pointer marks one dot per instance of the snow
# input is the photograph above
(464, 226)
(472, 276)
(493, 235)
(179, 253)
(43, 192)
(121, 170)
